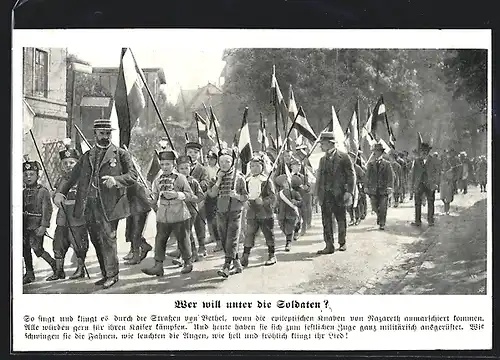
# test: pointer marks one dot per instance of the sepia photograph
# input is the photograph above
(254, 170)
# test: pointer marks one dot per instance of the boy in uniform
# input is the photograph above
(211, 203)
(289, 202)
(231, 193)
(169, 193)
(305, 193)
(37, 212)
(68, 226)
(259, 215)
(192, 201)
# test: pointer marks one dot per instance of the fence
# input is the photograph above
(50, 152)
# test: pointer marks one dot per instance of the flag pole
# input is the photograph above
(153, 101)
(72, 241)
(199, 138)
(82, 136)
(212, 118)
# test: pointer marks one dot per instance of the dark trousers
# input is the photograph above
(379, 205)
(422, 190)
(199, 226)
(163, 232)
(329, 208)
(253, 226)
(103, 237)
(290, 227)
(306, 210)
(229, 225)
(31, 241)
(64, 237)
(362, 206)
(134, 228)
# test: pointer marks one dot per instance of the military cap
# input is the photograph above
(257, 158)
(31, 165)
(103, 124)
(193, 145)
(167, 155)
(211, 155)
(327, 136)
(227, 152)
(68, 152)
(183, 159)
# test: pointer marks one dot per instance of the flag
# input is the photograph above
(129, 101)
(244, 144)
(292, 112)
(419, 141)
(302, 126)
(213, 126)
(392, 139)
(367, 128)
(28, 117)
(201, 126)
(378, 114)
(337, 131)
(262, 134)
(352, 136)
(154, 168)
(384, 144)
(81, 144)
(277, 100)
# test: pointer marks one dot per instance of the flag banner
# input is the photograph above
(154, 168)
(352, 141)
(366, 129)
(303, 127)
(129, 97)
(244, 144)
(338, 132)
(277, 99)
(387, 148)
(419, 141)
(292, 112)
(378, 114)
(28, 117)
(262, 134)
(201, 126)
(81, 144)
(116, 135)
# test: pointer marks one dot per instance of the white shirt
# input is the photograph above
(212, 171)
(255, 186)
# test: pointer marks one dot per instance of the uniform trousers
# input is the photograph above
(134, 228)
(422, 190)
(379, 205)
(306, 210)
(253, 226)
(103, 236)
(199, 226)
(210, 211)
(290, 227)
(31, 241)
(180, 230)
(229, 226)
(64, 237)
(329, 208)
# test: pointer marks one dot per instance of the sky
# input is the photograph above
(184, 67)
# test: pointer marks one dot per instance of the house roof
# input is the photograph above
(112, 70)
(187, 97)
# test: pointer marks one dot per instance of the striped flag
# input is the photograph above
(129, 100)
(378, 114)
(352, 135)
(154, 168)
(292, 112)
(419, 141)
(262, 134)
(337, 131)
(244, 144)
(277, 99)
(302, 126)
(201, 126)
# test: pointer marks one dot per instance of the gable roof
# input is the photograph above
(186, 98)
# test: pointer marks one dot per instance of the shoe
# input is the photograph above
(187, 268)
(288, 246)
(59, 273)
(28, 278)
(80, 271)
(135, 259)
(327, 250)
(195, 257)
(244, 259)
(100, 282)
(177, 262)
(202, 251)
(144, 249)
(414, 223)
(218, 246)
(130, 254)
(343, 247)
(110, 282)
(175, 254)
(224, 272)
(271, 260)
(237, 266)
(351, 223)
(431, 223)
(156, 270)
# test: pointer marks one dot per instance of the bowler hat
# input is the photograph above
(327, 136)
(103, 124)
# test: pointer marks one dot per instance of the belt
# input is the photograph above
(31, 214)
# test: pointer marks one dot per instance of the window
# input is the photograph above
(41, 73)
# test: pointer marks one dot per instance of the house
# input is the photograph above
(44, 92)
(190, 101)
(94, 106)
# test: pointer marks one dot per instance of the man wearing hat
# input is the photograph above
(200, 173)
(68, 226)
(379, 183)
(102, 175)
(425, 180)
(37, 212)
(334, 188)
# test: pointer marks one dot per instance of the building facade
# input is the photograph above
(44, 92)
(191, 101)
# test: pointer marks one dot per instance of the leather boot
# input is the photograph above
(110, 282)
(130, 253)
(244, 259)
(156, 270)
(145, 248)
(175, 254)
(188, 267)
(79, 272)
(29, 277)
(135, 259)
(237, 266)
(50, 260)
(224, 272)
(59, 273)
(329, 249)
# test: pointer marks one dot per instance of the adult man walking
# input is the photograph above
(334, 189)
(102, 176)
(425, 180)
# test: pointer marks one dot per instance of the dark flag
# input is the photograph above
(154, 168)
(244, 144)
(303, 127)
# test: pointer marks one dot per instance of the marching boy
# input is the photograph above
(259, 215)
(169, 193)
(68, 226)
(231, 193)
(289, 202)
(192, 201)
(37, 211)
(305, 193)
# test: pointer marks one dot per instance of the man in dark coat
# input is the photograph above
(334, 189)
(102, 176)
(425, 180)
(379, 183)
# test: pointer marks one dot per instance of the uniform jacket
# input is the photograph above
(139, 199)
(117, 163)
(268, 196)
(37, 207)
(360, 174)
(433, 172)
(397, 175)
(195, 197)
(69, 206)
(379, 181)
(342, 178)
(174, 210)
(200, 173)
(285, 211)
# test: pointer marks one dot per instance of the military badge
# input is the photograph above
(28, 166)
(112, 162)
(67, 153)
